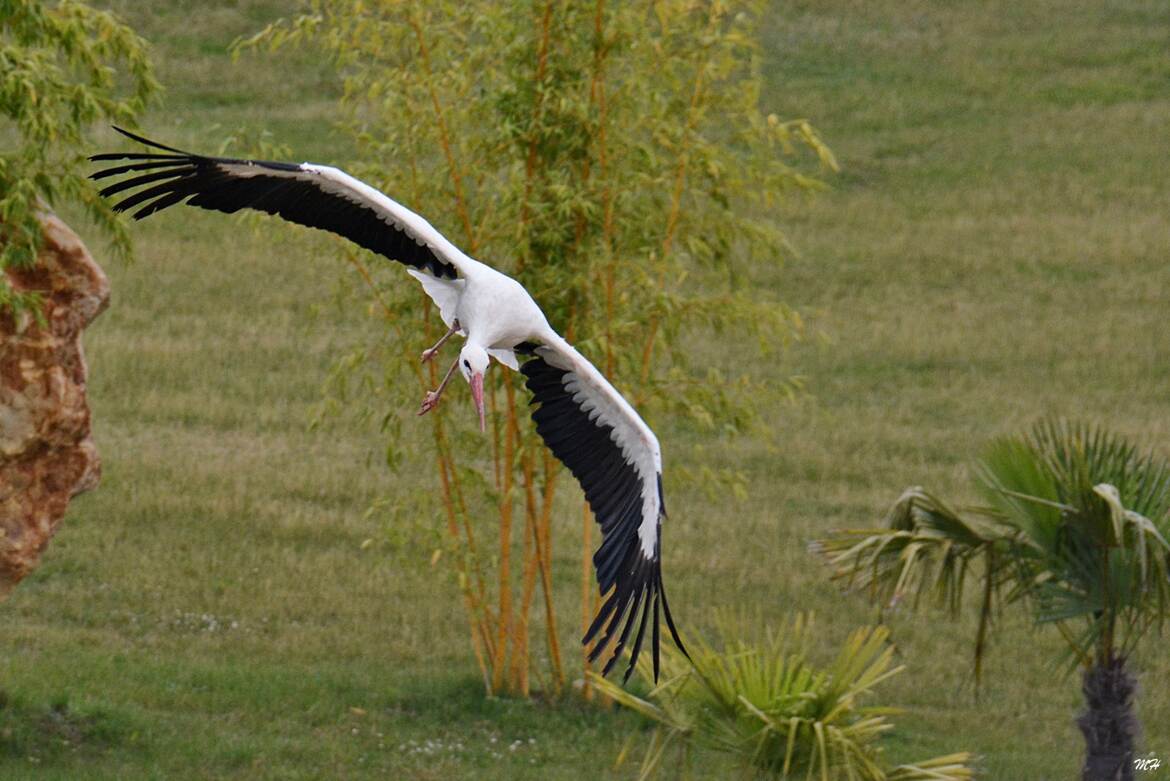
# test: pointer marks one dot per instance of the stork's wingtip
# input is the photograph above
(610, 665)
(128, 134)
(146, 141)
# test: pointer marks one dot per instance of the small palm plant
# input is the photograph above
(1075, 529)
(773, 714)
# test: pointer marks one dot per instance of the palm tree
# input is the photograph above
(769, 712)
(1074, 528)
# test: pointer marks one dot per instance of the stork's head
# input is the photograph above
(473, 362)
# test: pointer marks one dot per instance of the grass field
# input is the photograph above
(994, 250)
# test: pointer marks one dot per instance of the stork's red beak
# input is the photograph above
(477, 396)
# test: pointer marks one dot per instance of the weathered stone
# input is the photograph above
(46, 455)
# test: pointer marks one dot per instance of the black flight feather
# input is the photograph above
(630, 582)
(206, 182)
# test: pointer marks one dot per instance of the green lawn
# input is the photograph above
(995, 249)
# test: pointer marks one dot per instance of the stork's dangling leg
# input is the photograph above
(430, 353)
(431, 400)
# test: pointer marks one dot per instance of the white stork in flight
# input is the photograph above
(584, 421)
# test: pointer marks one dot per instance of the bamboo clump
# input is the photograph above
(602, 154)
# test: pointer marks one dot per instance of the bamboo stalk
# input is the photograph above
(496, 466)
(503, 629)
(501, 624)
(673, 216)
(543, 538)
(537, 112)
(531, 560)
(468, 566)
(458, 510)
(586, 592)
(597, 93)
(446, 469)
(480, 613)
(518, 630)
(475, 614)
(461, 511)
(444, 135)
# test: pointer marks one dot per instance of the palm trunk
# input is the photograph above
(1109, 724)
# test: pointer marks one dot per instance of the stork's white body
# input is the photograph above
(492, 309)
(497, 312)
(587, 424)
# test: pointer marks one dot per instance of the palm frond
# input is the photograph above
(1076, 527)
(937, 769)
(1094, 514)
(926, 549)
(773, 713)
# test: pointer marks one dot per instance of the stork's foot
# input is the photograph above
(434, 349)
(430, 401)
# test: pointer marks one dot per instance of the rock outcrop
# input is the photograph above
(46, 455)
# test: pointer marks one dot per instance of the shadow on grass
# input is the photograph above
(43, 733)
(448, 701)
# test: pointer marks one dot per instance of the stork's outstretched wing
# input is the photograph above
(616, 458)
(314, 195)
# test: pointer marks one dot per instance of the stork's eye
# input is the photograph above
(467, 363)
